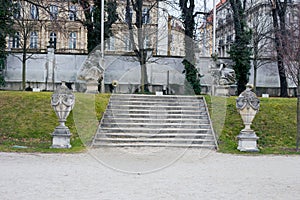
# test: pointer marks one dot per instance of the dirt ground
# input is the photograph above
(148, 173)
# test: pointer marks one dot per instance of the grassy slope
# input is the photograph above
(275, 125)
(27, 119)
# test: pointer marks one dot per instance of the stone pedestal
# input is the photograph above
(221, 90)
(92, 87)
(247, 141)
(61, 137)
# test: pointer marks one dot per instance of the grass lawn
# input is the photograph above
(274, 124)
(27, 120)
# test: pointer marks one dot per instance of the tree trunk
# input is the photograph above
(279, 11)
(24, 64)
(254, 74)
(24, 72)
(139, 48)
(298, 111)
(192, 80)
(144, 76)
(282, 77)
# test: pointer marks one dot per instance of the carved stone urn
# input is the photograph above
(248, 105)
(62, 102)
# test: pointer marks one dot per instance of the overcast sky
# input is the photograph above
(199, 7)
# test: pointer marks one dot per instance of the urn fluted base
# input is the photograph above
(61, 138)
(247, 141)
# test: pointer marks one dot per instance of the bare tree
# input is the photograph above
(279, 9)
(262, 41)
(141, 33)
(26, 24)
(30, 17)
(291, 57)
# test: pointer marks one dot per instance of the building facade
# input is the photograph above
(58, 22)
(259, 20)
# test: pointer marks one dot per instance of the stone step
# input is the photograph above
(155, 120)
(153, 130)
(156, 140)
(156, 107)
(144, 144)
(154, 116)
(155, 97)
(155, 125)
(156, 101)
(158, 135)
(162, 102)
(157, 112)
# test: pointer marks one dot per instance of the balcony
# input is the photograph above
(221, 42)
(220, 23)
(229, 39)
(228, 19)
(70, 50)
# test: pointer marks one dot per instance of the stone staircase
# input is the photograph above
(155, 121)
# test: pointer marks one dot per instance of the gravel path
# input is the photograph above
(138, 173)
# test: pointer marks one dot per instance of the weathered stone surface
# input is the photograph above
(248, 105)
(91, 68)
(62, 101)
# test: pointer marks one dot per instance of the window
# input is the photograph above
(110, 43)
(53, 12)
(17, 11)
(16, 40)
(72, 40)
(146, 16)
(128, 15)
(72, 12)
(34, 13)
(53, 39)
(92, 13)
(146, 42)
(128, 43)
(33, 40)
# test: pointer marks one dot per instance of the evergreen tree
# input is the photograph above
(5, 29)
(192, 80)
(92, 14)
(240, 51)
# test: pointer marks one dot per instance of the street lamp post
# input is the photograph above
(214, 27)
(102, 46)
